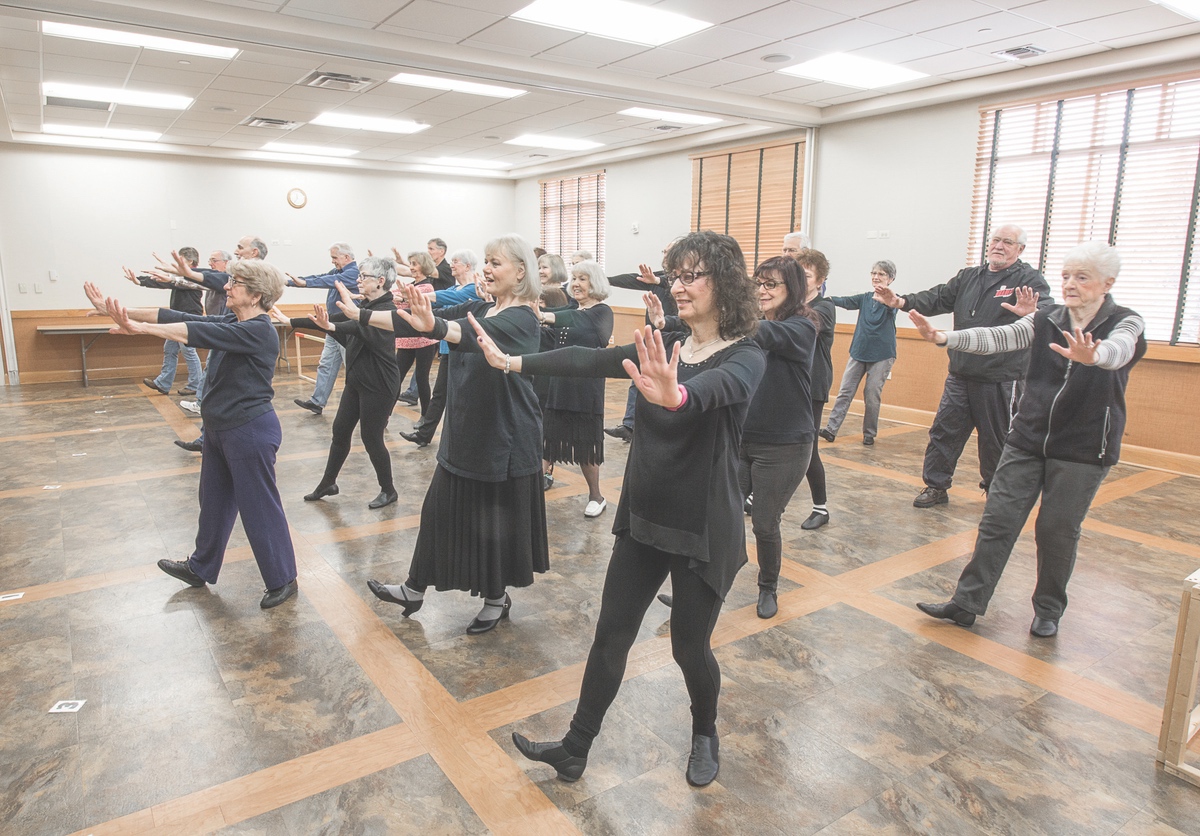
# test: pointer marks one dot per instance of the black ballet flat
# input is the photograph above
(949, 611)
(568, 767)
(704, 762)
(321, 493)
(384, 499)
(407, 608)
(478, 626)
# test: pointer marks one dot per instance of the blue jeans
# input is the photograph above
(332, 357)
(171, 351)
(630, 402)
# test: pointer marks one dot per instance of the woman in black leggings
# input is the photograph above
(680, 510)
(816, 270)
(372, 381)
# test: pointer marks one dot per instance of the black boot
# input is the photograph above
(568, 767)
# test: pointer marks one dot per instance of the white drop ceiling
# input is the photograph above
(577, 83)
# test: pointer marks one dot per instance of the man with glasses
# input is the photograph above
(794, 242)
(982, 390)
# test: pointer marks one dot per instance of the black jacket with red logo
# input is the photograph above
(974, 297)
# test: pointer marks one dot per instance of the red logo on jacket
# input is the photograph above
(1005, 291)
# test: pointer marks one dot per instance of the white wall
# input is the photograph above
(85, 214)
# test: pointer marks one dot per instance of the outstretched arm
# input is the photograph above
(136, 322)
(656, 375)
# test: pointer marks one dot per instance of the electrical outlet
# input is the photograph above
(22, 288)
(884, 233)
(37, 287)
(53, 275)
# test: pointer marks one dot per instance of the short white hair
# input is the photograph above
(342, 248)
(1021, 236)
(804, 241)
(1098, 255)
(598, 286)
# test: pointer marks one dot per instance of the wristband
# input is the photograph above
(440, 327)
(364, 316)
(683, 394)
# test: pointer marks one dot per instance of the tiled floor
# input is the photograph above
(848, 713)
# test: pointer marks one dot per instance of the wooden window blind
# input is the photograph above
(1116, 164)
(754, 194)
(573, 215)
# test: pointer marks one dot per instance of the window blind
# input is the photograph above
(1116, 164)
(573, 215)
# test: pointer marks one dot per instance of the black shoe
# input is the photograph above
(191, 446)
(407, 399)
(664, 598)
(275, 597)
(815, 520)
(407, 608)
(748, 505)
(186, 390)
(320, 493)
(768, 604)
(384, 499)
(949, 610)
(568, 767)
(930, 497)
(868, 441)
(478, 626)
(826, 434)
(147, 381)
(1043, 628)
(415, 438)
(310, 406)
(179, 569)
(704, 762)
(620, 431)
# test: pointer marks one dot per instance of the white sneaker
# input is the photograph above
(594, 508)
(190, 406)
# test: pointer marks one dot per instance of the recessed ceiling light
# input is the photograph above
(559, 143)
(224, 109)
(116, 95)
(614, 19)
(103, 133)
(457, 85)
(111, 36)
(853, 71)
(98, 142)
(776, 58)
(468, 162)
(368, 123)
(311, 150)
(1187, 8)
(670, 116)
(183, 61)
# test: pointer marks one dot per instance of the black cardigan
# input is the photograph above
(370, 352)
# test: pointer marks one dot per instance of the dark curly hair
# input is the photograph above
(733, 293)
(789, 270)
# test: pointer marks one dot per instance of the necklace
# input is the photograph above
(694, 349)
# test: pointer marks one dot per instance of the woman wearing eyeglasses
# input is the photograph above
(679, 515)
(372, 381)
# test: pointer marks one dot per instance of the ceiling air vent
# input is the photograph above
(59, 101)
(276, 124)
(1020, 53)
(338, 81)
(666, 129)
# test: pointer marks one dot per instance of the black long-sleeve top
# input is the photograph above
(681, 493)
(370, 352)
(183, 299)
(588, 327)
(492, 429)
(822, 364)
(781, 412)
(662, 290)
(241, 365)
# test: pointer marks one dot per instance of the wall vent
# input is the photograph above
(275, 124)
(338, 81)
(1020, 53)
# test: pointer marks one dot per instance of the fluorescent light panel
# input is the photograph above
(1187, 8)
(111, 36)
(449, 169)
(368, 123)
(853, 71)
(116, 95)
(298, 158)
(311, 150)
(97, 142)
(456, 85)
(559, 143)
(102, 133)
(670, 116)
(616, 19)
(467, 162)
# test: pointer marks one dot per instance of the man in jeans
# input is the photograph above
(186, 298)
(345, 270)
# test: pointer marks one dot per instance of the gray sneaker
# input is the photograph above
(930, 497)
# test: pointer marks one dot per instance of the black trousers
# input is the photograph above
(371, 410)
(431, 416)
(816, 468)
(423, 357)
(969, 405)
(635, 574)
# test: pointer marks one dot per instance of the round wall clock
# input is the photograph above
(296, 198)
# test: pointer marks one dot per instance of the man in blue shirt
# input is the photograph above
(345, 270)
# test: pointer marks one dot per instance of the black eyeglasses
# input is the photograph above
(368, 276)
(687, 277)
(768, 284)
(238, 282)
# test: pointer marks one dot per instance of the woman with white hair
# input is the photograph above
(573, 411)
(372, 380)
(1065, 435)
(483, 522)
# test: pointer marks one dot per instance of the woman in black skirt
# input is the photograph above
(680, 513)
(483, 522)
(573, 412)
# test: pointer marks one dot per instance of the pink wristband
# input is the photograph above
(684, 395)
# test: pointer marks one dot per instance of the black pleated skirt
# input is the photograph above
(480, 537)
(574, 437)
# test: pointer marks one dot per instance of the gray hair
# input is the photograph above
(437, 242)
(1098, 255)
(225, 255)
(558, 270)
(425, 262)
(384, 268)
(466, 257)
(803, 241)
(258, 244)
(259, 277)
(1021, 236)
(886, 266)
(342, 248)
(600, 287)
(582, 255)
(520, 252)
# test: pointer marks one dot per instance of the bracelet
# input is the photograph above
(507, 364)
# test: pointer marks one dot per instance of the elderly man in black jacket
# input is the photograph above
(981, 392)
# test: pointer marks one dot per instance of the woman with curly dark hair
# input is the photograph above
(680, 509)
(816, 270)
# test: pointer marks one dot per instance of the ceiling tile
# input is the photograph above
(346, 12)
(710, 75)
(1125, 24)
(1059, 12)
(921, 15)
(719, 42)
(762, 85)
(899, 51)
(56, 65)
(855, 8)
(848, 36)
(185, 79)
(263, 72)
(520, 38)
(18, 38)
(289, 58)
(594, 51)
(89, 49)
(716, 11)
(22, 58)
(175, 61)
(786, 20)
(984, 30)
(29, 74)
(1153, 36)
(499, 7)
(438, 21)
(953, 62)
(815, 92)
(1051, 40)
(753, 58)
(237, 85)
(658, 62)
